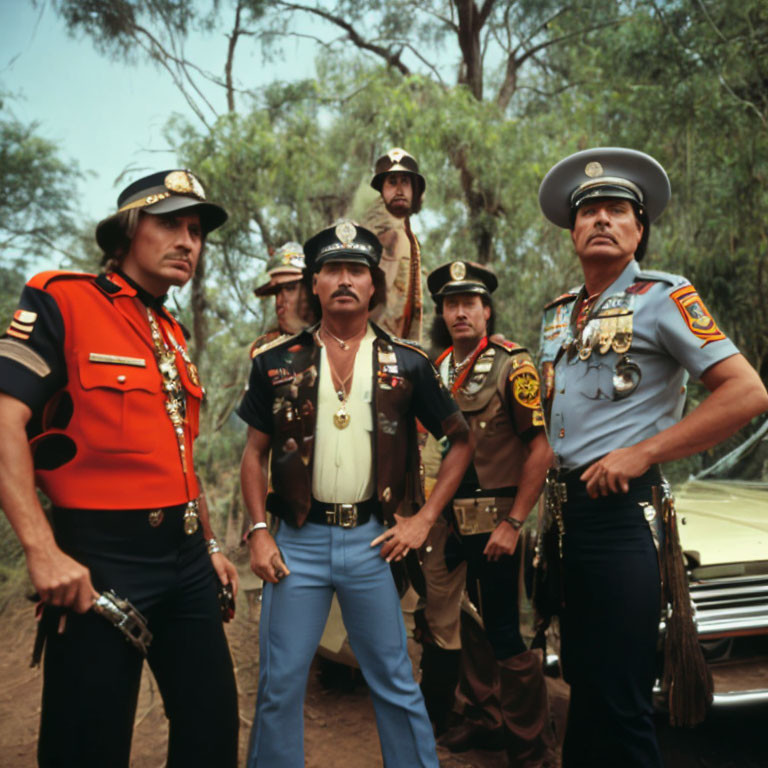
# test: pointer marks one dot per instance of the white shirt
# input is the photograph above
(342, 469)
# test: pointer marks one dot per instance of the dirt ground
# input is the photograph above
(340, 730)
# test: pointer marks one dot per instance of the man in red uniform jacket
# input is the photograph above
(99, 405)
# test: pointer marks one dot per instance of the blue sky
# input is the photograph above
(106, 116)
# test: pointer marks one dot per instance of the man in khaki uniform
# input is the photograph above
(292, 309)
(401, 186)
(502, 696)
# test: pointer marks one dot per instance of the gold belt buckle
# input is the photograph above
(479, 515)
(343, 515)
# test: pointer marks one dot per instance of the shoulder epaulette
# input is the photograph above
(656, 276)
(265, 338)
(508, 346)
(43, 279)
(564, 298)
(281, 339)
(408, 345)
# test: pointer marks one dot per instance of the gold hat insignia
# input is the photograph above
(594, 169)
(458, 270)
(346, 231)
(184, 183)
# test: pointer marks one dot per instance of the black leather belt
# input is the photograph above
(343, 515)
(571, 477)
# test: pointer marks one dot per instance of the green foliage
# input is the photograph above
(684, 80)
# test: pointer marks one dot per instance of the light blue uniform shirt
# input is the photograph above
(616, 399)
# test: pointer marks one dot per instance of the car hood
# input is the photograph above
(723, 521)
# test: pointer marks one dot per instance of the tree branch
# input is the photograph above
(392, 59)
(514, 63)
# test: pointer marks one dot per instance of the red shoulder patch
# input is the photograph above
(641, 286)
(696, 315)
(559, 300)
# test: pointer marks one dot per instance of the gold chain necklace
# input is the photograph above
(175, 403)
(342, 416)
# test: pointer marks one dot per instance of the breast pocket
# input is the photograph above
(122, 408)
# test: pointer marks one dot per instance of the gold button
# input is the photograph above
(121, 378)
(562, 433)
(387, 494)
(482, 425)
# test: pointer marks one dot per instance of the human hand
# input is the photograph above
(612, 473)
(60, 580)
(408, 533)
(226, 571)
(503, 541)
(266, 559)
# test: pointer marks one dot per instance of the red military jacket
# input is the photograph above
(79, 352)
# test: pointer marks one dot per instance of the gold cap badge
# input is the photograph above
(458, 270)
(184, 183)
(346, 231)
(593, 169)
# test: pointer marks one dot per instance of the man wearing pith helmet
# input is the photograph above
(336, 404)
(501, 692)
(285, 283)
(632, 340)
(401, 187)
(99, 408)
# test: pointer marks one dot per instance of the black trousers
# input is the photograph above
(91, 673)
(610, 628)
(493, 587)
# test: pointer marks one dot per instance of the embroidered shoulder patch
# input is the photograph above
(526, 388)
(696, 315)
(23, 324)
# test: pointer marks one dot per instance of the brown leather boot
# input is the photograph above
(525, 710)
(470, 735)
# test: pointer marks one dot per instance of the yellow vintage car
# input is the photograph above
(723, 527)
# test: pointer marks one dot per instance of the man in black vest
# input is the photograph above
(336, 404)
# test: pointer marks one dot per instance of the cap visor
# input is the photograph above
(212, 216)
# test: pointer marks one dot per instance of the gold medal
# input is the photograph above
(191, 519)
(341, 418)
(193, 375)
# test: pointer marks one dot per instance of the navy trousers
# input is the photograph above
(91, 673)
(610, 629)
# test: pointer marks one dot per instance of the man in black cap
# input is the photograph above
(336, 405)
(401, 186)
(631, 341)
(292, 306)
(99, 405)
(501, 694)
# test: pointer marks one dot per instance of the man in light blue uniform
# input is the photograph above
(632, 340)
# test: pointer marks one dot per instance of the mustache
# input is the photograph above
(601, 233)
(344, 291)
(178, 256)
